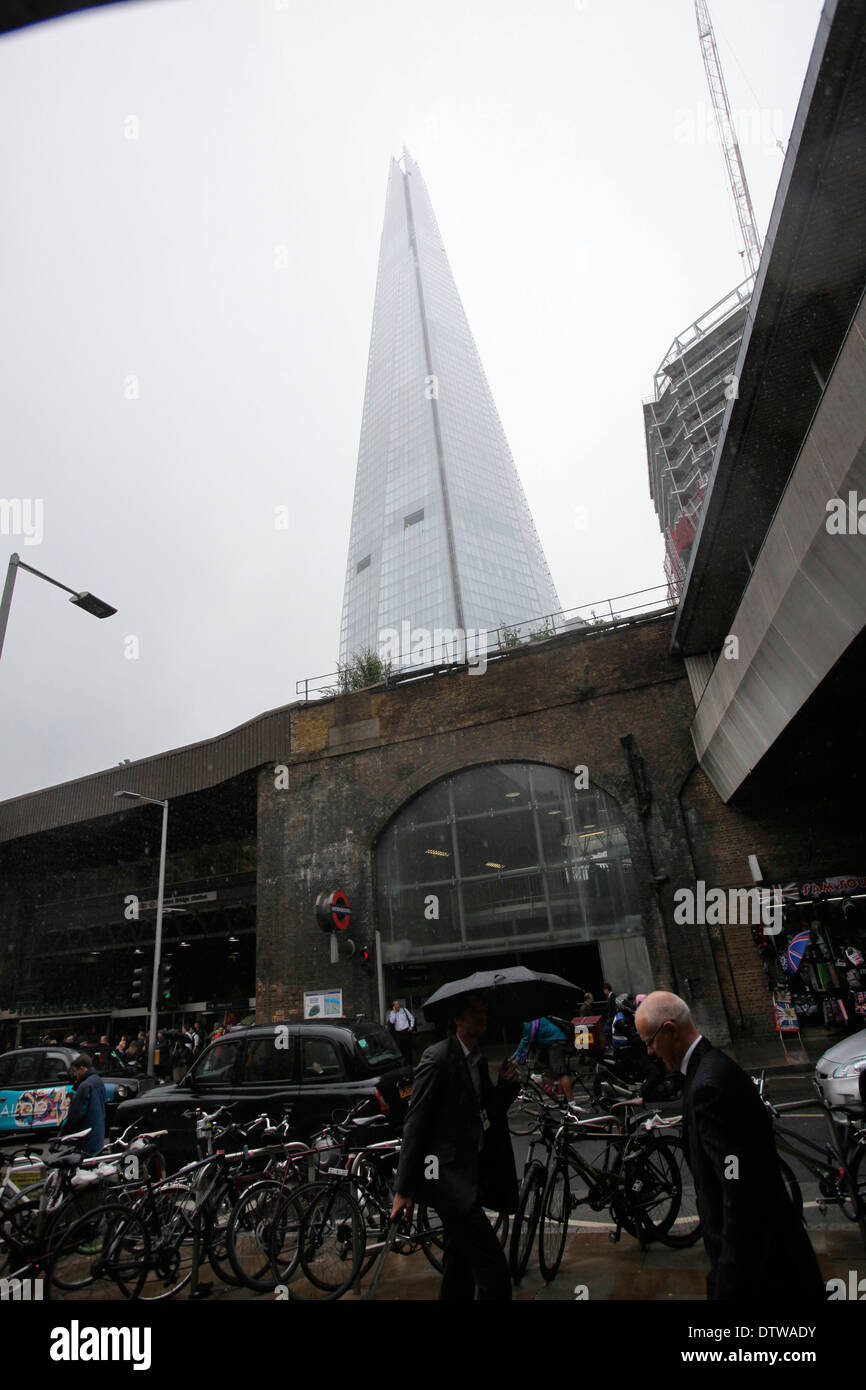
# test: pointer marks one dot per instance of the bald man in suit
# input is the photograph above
(757, 1243)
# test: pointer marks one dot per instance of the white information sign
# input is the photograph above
(324, 1005)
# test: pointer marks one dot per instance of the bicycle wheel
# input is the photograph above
(526, 1220)
(523, 1113)
(284, 1250)
(686, 1227)
(652, 1190)
(855, 1180)
(427, 1226)
(249, 1234)
(18, 1229)
(103, 1256)
(215, 1224)
(584, 1082)
(72, 1209)
(332, 1243)
(170, 1221)
(375, 1198)
(553, 1226)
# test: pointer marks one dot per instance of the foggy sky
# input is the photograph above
(194, 195)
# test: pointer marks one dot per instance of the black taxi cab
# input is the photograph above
(308, 1068)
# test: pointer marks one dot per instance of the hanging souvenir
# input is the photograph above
(796, 951)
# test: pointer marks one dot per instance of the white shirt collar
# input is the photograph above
(470, 1055)
(684, 1064)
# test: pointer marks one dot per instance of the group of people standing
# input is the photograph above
(174, 1049)
(457, 1157)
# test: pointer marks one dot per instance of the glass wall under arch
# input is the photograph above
(504, 856)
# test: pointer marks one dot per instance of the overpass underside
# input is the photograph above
(805, 600)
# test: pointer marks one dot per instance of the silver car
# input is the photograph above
(837, 1073)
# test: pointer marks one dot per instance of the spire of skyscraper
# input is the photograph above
(442, 537)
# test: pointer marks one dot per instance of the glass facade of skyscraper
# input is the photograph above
(442, 537)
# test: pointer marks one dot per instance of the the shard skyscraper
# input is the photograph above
(442, 537)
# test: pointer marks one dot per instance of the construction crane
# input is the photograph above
(728, 136)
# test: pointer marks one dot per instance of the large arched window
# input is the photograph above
(506, 855)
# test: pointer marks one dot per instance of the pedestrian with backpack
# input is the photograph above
(548, 1035)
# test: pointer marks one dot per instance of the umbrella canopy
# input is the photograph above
(796, 951)
(513, 994)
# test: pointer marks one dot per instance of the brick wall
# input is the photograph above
(358, 758)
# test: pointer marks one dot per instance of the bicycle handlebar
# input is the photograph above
(198, 1114)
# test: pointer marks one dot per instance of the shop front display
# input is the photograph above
(816, 966)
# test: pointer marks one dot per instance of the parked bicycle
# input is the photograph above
(838, 1166)
(35, 1221)
(174, 1225)
(637, 1177)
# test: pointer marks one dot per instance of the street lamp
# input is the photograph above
(157, 949)
(89, 602)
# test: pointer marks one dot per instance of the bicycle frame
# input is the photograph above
(833, 1166)
(608, 1182)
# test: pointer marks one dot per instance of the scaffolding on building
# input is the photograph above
(683, 420)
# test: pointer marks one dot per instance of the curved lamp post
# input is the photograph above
(89, 602)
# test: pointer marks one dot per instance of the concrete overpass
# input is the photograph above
(766, 571)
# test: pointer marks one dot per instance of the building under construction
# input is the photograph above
(695, 381)
(683, 420)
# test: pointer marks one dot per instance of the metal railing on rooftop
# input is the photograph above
(455, 649)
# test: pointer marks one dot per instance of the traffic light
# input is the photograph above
(140, 986)
(165, 984)
(365, 956)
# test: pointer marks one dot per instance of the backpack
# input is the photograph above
(566, 1025)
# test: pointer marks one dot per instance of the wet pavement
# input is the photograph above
(595, 1269)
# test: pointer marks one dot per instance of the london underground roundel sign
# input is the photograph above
(341, 913)
(333, 911)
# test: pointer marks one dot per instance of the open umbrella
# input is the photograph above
(796, 951)
(513, 994)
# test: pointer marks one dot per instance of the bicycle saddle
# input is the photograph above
(64, 1160)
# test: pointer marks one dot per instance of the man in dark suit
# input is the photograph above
(757, 1244)
(457, 1156)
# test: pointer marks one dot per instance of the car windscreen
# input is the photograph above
(377, 1048)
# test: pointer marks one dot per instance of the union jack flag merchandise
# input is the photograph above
(796, 951)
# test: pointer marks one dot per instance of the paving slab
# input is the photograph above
(609, 1272)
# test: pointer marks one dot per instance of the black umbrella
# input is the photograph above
(512, 995)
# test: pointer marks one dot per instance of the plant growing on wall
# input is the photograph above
(365, 668)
